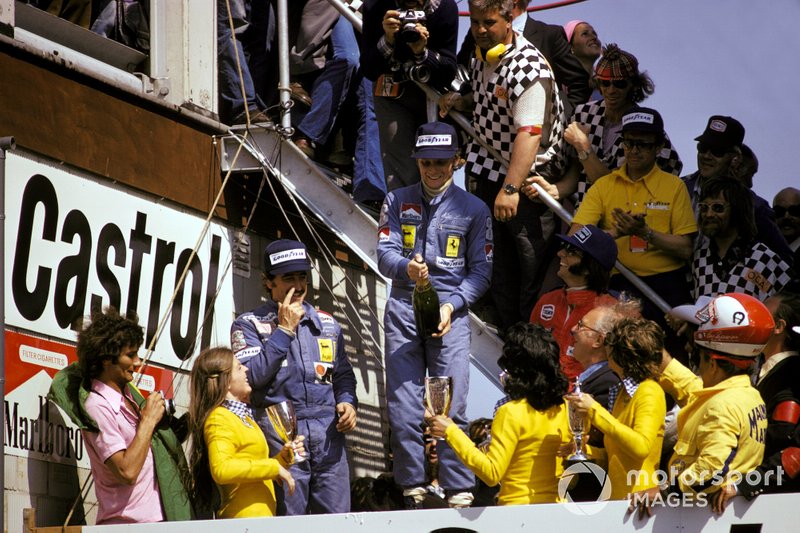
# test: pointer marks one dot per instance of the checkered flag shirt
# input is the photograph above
(495, 91)
(592, 114)
(759, 272)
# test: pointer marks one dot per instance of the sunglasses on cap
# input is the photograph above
(793, 210)
(716, 151)
(619, 84)
(716, 207)
(631, 144)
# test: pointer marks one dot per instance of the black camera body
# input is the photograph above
(409, 19)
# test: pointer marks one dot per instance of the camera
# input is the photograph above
(169, 404)
(408, 25)
(410, 71)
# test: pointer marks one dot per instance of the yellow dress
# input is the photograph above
(634, 433)
(522, 454)
(240, 465)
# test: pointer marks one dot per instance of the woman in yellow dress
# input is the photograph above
(527, 430)
(634, 429)
(229, 451)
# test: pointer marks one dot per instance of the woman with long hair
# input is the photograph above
(634, 428)
(229, 451)
(528, 430)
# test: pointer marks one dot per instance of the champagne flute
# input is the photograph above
(284, 421)
(438, 395)
(577, 423)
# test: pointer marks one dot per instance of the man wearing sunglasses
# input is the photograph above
(648, 213)
(728, 256)
(719, 153)
(786, 205)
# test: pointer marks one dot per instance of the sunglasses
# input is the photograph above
(641, 145)
(570, 249)
(793, 210)
(716, 151)
(716, 207)
(619, 84)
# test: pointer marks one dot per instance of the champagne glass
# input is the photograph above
(438, 395)
(576, 427)
(285, 423)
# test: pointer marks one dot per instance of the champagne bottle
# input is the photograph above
(426, 307)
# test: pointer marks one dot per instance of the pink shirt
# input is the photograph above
(118, 503)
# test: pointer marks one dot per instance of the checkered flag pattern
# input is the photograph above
(592, 114)
(761, 274)
(495, 91)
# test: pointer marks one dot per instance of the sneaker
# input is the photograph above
(460, 500)
(414, 497)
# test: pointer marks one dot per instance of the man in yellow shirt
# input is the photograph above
(723, 421)
(647, 211)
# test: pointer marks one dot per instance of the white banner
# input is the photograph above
(74, 244)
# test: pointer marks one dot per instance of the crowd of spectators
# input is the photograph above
(706, 235)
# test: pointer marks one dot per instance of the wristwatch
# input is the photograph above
(510, 189)
(583, 155)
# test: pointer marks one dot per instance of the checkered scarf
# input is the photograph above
(240, 409)
(630, 387)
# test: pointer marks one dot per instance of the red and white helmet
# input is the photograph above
(734, 324)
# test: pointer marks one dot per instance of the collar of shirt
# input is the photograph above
(518, 24)
(795, 244)
(630, 387)
(112, 396)
(770, 363)
(240, 409)
(649, 179)
(592, 370)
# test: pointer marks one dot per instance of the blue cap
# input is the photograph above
(595, 242)
(643, 119)
(283, 256)
(435, 140)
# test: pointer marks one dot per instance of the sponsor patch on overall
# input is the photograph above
(325, 350)
(547, 312)
(447, 262)
(238, 342)
(453, 244)
(409, 236)
(489, 251)
(263, 324)
(384, 234)
(410, 212)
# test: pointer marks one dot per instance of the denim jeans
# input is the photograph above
(331, 87)
(368, 180)
(231, 102)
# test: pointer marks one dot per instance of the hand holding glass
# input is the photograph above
(576, 427)
(285, 423)
(438, 395)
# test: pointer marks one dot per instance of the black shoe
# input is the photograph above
(411, 504)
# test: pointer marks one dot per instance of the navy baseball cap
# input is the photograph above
(643, 119)
(595, 242)
(283, 256)
(722, 132)
(435, 140)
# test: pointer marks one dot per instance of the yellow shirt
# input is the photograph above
(721, 429)
(239, 461)
(634, 433)
(660, 195)
(522, 454)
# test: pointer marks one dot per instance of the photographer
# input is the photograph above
(406, 41)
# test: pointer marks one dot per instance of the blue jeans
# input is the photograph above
(368, 180)
(231, 102)
(331, 87)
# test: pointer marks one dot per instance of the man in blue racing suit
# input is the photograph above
(296, 353)
(434, 230)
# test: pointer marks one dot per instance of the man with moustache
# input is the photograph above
(729, 257)
(585, 263)
(296, 353)
(719, 154)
